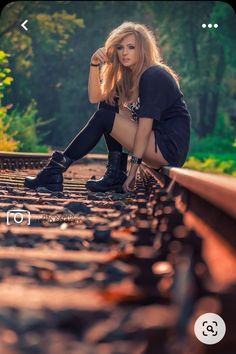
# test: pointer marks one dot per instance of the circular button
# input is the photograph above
(209, 328)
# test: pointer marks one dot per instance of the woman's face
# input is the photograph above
(127, 51)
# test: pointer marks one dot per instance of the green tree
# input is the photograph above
(40, 56)
(200, 56)
(7, 141)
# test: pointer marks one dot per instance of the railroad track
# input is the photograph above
(17, 160)
(114, 273)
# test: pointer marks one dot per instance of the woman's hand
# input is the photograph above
(128, 186)
(100, 56)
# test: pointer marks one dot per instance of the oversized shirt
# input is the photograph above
(161, 99)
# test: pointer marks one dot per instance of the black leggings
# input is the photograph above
(112, 144)
(100, 123)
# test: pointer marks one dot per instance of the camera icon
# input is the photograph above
(18, 216)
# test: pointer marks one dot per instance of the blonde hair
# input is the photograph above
(115, 77)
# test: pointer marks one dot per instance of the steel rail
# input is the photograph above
(208, 204)
(19, 160)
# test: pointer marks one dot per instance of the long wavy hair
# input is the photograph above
(118, 79)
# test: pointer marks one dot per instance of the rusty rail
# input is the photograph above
(208, 203)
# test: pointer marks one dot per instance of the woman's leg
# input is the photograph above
(112, 144)
(116, 172)
(120, 128)
(50, 177)
(101, 122)
(116, 169)
(124, 131)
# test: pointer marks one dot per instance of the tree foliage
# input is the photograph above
(17, 128)
(7, 141)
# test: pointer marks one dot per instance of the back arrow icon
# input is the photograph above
(23, 25)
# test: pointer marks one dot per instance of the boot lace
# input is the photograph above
(109, 170)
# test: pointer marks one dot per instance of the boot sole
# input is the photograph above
(38, 188)
(117, 189)
(45, 190)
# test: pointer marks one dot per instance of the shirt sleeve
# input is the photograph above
(154, 90)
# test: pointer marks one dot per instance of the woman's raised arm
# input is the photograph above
(94, 85)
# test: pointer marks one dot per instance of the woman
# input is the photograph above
(141, 108)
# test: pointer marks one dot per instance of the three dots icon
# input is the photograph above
(210, 25)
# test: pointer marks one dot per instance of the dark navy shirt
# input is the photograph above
(161, 99)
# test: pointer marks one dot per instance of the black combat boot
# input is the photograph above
(50, 178)
(115, 174)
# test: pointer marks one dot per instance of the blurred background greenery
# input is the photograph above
(44, 71)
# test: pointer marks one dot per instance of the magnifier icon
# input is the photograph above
(210, 328)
